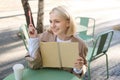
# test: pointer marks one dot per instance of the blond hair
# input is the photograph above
(63, 11)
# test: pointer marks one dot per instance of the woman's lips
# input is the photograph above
(55, 30)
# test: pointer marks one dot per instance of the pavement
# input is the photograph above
(13, 51)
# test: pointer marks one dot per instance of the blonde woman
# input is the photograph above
(62, 29)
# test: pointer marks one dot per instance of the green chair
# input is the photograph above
(85, 28)
(102, 43)
(24, 34)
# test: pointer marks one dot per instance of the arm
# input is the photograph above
(33, 56)
(81, 62)
(33, 45)
(79, 67)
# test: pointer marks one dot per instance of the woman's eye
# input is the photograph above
(57, 21)
(50, 21)
(54, 21)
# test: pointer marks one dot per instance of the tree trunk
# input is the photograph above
(26, 7)
(40, 16)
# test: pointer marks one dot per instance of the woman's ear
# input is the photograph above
(68, 23)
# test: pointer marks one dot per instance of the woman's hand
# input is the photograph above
(79, 63)
(32, 31)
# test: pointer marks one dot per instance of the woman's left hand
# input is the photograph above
(79, 63)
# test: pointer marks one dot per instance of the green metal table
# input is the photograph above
(44, 74)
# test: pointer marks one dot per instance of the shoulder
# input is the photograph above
(80, 41)
(46, 36)
(77, 39)
(46, 33)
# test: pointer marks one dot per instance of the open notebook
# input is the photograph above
(59, 54)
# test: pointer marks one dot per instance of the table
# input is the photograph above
(44, 74)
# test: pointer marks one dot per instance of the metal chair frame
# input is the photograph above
(86, 24)
(24, 34)
(100, 48)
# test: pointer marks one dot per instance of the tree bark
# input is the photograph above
(26, 8)
(40, 16)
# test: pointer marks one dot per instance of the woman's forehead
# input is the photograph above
(56, 15)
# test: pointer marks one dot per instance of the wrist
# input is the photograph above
(77, 71)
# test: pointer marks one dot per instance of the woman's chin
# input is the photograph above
(55, 33)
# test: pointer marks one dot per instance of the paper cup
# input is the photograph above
(18, 71)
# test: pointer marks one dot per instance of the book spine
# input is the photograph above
(59, 53)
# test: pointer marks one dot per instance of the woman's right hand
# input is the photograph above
(79, 63)
(32, 31)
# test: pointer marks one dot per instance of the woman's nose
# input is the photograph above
(52, 25)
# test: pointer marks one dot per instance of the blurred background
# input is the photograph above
(12, 50)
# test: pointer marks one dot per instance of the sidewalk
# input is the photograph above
(99, 66)
(13, 51)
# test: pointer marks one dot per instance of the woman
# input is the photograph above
(62, 29)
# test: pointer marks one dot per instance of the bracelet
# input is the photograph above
(77, 71)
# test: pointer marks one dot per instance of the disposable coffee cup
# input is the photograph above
(18, 71)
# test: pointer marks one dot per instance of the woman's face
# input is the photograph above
(58, 24)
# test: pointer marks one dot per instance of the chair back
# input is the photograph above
(84, 21)
(102, 43)
(24, 35)
(86, 27)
